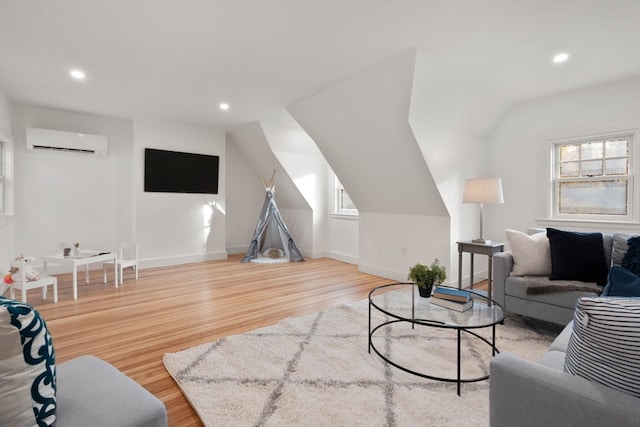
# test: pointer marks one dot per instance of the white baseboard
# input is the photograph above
(178, 260)
(349, 259)
(381, 272)
(237, 249)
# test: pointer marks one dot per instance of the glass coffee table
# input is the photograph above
(401, 307)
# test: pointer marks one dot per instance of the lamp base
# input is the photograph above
(482, 241)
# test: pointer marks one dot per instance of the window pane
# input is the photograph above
(345, 201)
(569, 169)
(569, 152)
(593, 197)
(592, 168)
(591, 150)
(617, 148)
(616, 167)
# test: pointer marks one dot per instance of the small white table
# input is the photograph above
(83, 258)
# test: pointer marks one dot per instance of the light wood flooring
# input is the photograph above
(173, 308)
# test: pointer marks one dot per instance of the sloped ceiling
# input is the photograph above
(176, 60)
(362, 128)
(254, 147)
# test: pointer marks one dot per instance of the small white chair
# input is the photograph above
(21, 282)
(127, 257)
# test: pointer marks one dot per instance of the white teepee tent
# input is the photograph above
(271, 231)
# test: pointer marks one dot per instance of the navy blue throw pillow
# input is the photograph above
(577, 256)
(622, 283)
(631, 258)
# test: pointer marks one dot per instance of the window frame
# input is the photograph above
(630, 177)
(338, 208)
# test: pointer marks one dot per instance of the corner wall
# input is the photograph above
(361, 126)
(519, 148)
(67, 196)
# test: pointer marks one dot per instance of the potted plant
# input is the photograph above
(426, 277)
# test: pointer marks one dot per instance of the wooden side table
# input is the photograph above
(488, 249)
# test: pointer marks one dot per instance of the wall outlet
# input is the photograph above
(404, 250)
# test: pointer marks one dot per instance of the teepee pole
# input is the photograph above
(273, 180)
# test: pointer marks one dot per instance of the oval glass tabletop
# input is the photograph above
(401, 301)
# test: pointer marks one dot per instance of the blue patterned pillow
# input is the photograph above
(38, 357)
(631, 258)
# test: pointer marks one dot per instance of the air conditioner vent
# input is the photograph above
(72, 142)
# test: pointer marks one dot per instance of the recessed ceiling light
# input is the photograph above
(560, 57)
(77, 74)
(224, 106)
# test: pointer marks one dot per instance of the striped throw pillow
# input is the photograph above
(605, 344)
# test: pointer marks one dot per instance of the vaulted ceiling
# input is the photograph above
(177, 60)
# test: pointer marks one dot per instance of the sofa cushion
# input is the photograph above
(553, 359)
(562, 340)
(531, 253)
(35, 365)
(517, 287)
(622, 283)
(605, 344)
(577, 256)
(94, 393)
(631, 258)
(620, 246)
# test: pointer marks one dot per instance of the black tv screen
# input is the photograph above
(176, 172)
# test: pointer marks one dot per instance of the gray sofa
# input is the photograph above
(511, 291)
(92, 392)
(85, 391)
(524, 393)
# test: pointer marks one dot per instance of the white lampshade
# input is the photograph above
(483, 190)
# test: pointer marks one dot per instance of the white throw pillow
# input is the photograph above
(531, 254)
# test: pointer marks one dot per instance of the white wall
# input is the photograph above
(306, 166)
(519, 147)
(252, 143)
(176, 228)
(451, 118)
(99, 200)
(244, 199)
(7, 222)
(71, 197)
(362, 128)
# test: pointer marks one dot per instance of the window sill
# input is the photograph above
(349, 217)
(591, 224)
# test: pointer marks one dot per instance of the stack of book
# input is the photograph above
(455, 299)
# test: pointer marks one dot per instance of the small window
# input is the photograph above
(593, 178)
(344, 205)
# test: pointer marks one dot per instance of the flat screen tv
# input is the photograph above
(177, 172)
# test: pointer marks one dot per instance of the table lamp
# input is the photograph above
(482, 190)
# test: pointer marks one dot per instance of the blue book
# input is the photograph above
(452, 294)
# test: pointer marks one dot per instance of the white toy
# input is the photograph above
(30, 273)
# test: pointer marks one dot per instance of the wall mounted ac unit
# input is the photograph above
(74, 142)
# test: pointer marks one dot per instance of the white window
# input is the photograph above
(343, 204)
(593, 178)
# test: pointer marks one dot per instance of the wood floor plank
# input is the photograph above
(173, 308)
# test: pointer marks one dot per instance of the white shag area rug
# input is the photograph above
(316, 371)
